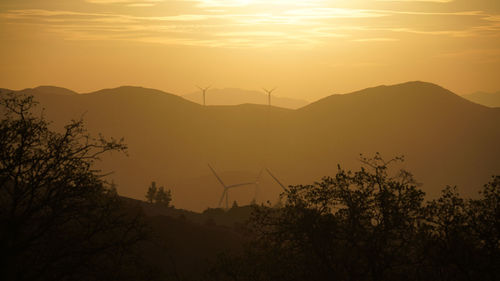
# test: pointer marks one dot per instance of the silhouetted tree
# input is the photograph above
(464, 234)
(163, 198)
(235, 204)
(372, 224)
(158, 195)
(151, 193)
(59, 220)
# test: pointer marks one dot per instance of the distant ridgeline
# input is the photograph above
(446, 139)
(233, 96)
(487, 99)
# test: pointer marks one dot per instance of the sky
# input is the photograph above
(308, 49)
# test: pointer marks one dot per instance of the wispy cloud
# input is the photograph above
(246, 23)
(129, 2)
(435, 1)
(375, 40)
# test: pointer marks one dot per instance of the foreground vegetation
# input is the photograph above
(60, 220)
(369, 225)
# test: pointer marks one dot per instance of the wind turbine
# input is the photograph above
(225, 193)
(269, 92)
(204, 91)
(257, 185)
(276, 179)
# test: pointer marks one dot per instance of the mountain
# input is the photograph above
(487, 99)
(44, 90)
(446, 139)
(233, 96)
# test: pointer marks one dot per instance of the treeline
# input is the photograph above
(370, 225)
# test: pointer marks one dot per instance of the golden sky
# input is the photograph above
(306, 48)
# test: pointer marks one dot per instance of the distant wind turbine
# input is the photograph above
(225, 192)
(269, 92)
(276, 179)
(257, 185)
(204, 91)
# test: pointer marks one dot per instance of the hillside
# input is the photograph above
(234, 96)
(445, 138)
(186, 243)
(486, 99)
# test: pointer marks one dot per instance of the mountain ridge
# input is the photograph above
(236, 96)
(412, 89)
(445, 138)
(139, 90)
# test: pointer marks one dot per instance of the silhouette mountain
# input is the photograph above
(446, 139)
(234, 96)
(487, 99)
(45, 90)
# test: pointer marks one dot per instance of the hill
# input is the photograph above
(446, 139)
(184, 243)
(233, 96)
(45, 90)
(487, 99)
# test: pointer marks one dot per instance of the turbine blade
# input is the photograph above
(217, 176)
(259, 175)
(240, 184)
(204, 89)
(276, 179)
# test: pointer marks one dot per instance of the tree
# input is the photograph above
(59, 219)
(235, 205)
(354, 226)
(158, 195)
(372, 224)
(163, 197)
(464, 234)
(151, 193)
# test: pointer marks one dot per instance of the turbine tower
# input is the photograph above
(225, 192)
(257, 185)
(269, 92)
(204, 91)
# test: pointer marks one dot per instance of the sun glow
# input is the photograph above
(261, 3)
(347, 44)
(225, 3)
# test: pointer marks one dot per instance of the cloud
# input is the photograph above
(246, 3)
(435, 1)
(130, 3)
(242, 23)
(375, 40)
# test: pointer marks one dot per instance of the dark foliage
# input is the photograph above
(59, 220)
(369, 225)
(158, 195)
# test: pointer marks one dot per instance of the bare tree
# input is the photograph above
(59, 220)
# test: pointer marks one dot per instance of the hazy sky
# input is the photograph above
(307, 48)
